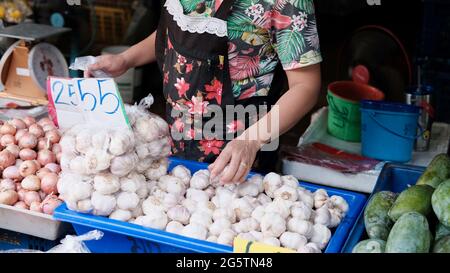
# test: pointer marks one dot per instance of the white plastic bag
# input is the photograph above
(82, 63)
(75, 244)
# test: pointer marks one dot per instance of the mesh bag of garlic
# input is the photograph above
(107, 172)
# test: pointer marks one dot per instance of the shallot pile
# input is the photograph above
(29, 162)
(106, 171)
(273, 210)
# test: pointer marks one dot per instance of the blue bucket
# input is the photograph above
(388, 130)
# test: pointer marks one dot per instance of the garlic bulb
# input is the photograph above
(137, 211)
(272, 241)
(246, 225)
(306, 198)
(206, 207)
(272, 182)
(201, 218)
(68, 145)
(322, 216)
(174, 227)
(292, 240)
(151, 204)
(195, 231)
(258, 213)
(179, 214)
(212, 239)
(286, 193)
(121, 142)
(309, 248)
(321, 235)
(101, 140)
(219, 225)
(121, 215)
(210, 191)
(169, 200)
(157, 169)
(84, 206)
(226, 213)
(264, 199)
(123, 165)
(247, 236)
(189, 204)
(83, 141)
(127, 201)
(301, 211)
(242, 208)
(273, 225)
(335, 218)
(280, 206)
(129, 185)
(258, 181)
(226, 237)
(339, 203)
(157, 220)
(144, 164)
(223, 197)
(78, 165)
(106, 183)
(290, 180)
(182, 173)
(197, 195)
(247, 189)
(97, 160)
(172, 184)
(302, 227)
(199, 181)
(103, 204)
(257, 234)
(320, 198)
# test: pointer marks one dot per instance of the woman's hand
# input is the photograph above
(239, 155)
(114, 65)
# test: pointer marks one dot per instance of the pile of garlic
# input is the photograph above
(107, 172)
(273, 210)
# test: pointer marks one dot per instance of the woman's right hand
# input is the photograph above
(114, 65)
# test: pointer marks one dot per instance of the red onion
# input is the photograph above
(45, 121)
(27, 154)
(31, 197)
(7, 184)
(6, 159)
(27, 168)
(36, 130)
(18, 186)
(21, 205)
(53, 167)
(18, 123)
(42, 194)
(50, 204)
(29, 121)
(56, 148)
(14, 149)
(49, 183)
(20, 133)
(43, 144)
(45, 157)
(28, 141)
(12, 172)
(35, 206)
(21, 194)
(48, 128)
(31, 183)
(43, 172)
(18, 163)
(58, 157)
(6, 140)
(53, 136)
(7, 129)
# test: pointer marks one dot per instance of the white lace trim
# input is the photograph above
(211, 25)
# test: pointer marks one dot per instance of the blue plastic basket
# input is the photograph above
(10, 240)
(122, 237)
(393, 177)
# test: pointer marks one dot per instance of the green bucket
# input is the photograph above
(344, 114)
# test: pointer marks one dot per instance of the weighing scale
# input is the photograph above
(25, 66)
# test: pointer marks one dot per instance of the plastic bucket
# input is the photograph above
(389, 130)
(344, 118)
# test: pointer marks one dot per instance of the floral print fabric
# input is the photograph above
(262, 33)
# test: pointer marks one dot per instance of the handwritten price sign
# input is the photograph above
(93, 101)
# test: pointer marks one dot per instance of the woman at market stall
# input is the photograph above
(221, 53)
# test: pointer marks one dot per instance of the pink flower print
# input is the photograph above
(214, 91)
(181, 60)
(299, 22)
(197, 106)
(182, 87)
(255, 11)
(211, 146)
(235, 126)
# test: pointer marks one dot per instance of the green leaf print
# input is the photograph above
(304, 5)
(189, 5)
(290, 45)
(238, 21)
(236, 90)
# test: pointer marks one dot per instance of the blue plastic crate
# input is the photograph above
(122, 237)
(10, 240)
(393, 177)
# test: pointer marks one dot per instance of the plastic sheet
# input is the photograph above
(82, 63)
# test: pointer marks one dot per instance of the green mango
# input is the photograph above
(441, 231)
(370, 246)
(442, 245)
(416, 198)
(410, 234)
(437, 172)
(376, 219)
(441, 203)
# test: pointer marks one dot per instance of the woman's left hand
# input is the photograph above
(239, 155)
